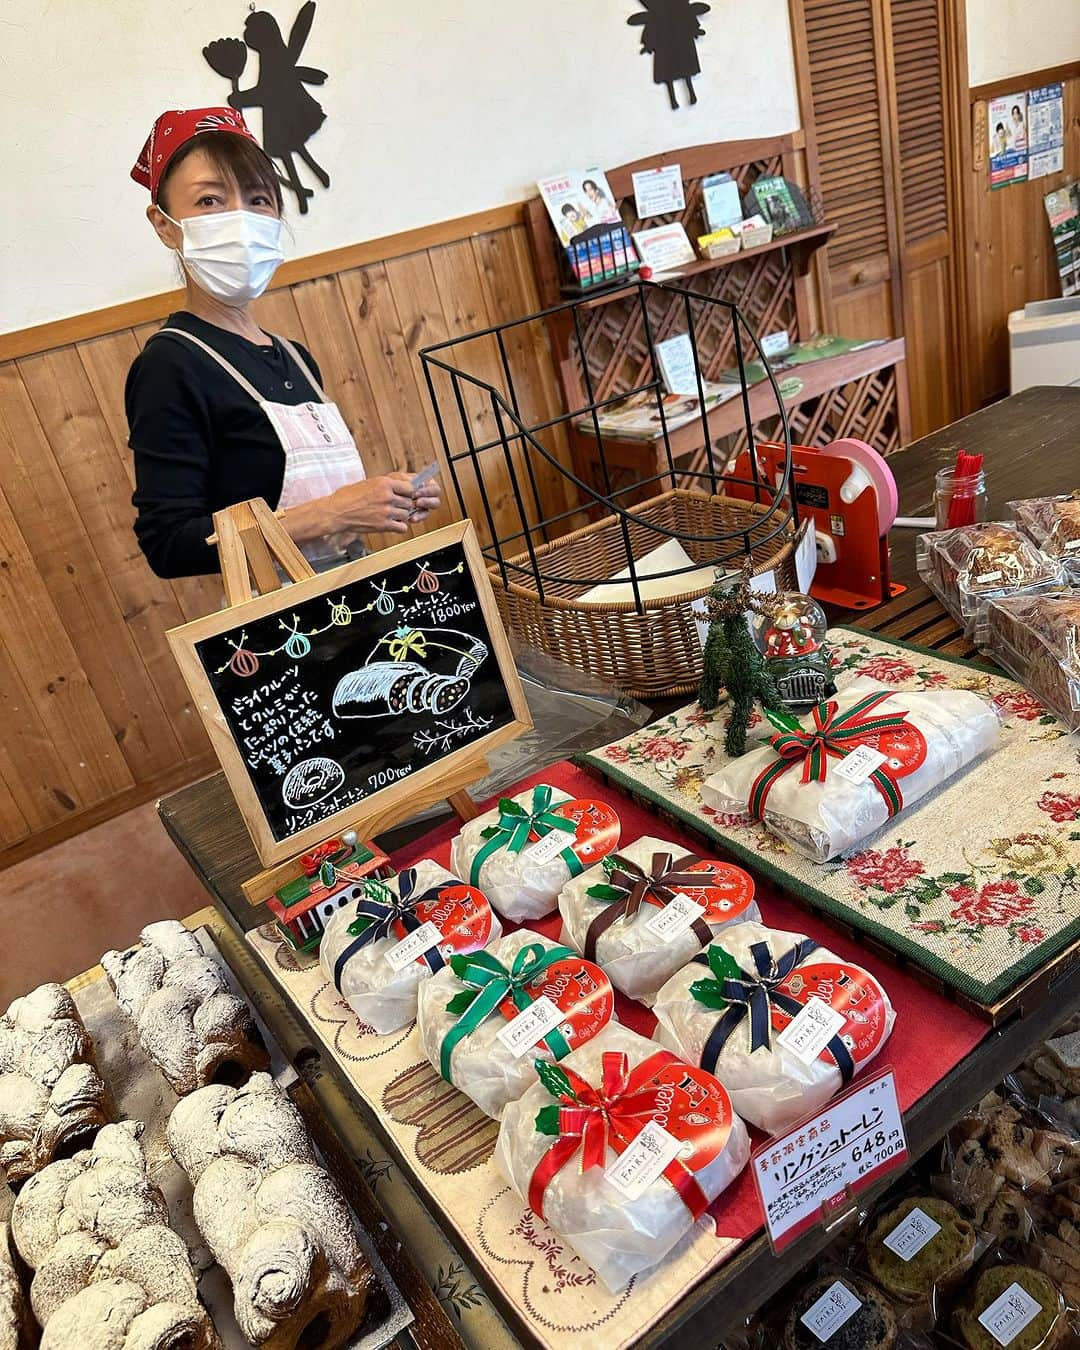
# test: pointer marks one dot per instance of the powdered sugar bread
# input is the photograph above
(109, 1273)
(51, 1094)
(272, 1217)
(189, 1022)
(17, 1329)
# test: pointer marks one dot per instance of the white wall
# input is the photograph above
(435, 108)
(1016, 37)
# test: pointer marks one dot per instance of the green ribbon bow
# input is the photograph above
(516, 824)
(487, 983)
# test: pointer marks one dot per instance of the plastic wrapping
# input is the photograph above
(637, 957)
(919, 1250)
(772, 1086)
(481, 1064)
(616, 1235)
(1035, 638)
(968, 567)
(1013, 1305)
(944, 731)
(498, 851)
(840, 1312)
(381, 996)
(1053, 526)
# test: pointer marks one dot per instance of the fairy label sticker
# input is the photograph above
(597, 828)
(904, 749)
(463, 917)
(582, 993)
(694, 1107)
(851, 992)
(725, 892)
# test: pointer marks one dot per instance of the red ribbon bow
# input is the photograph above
(593, 1120)
(311, 861)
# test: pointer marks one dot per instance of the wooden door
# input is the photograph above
(874, 81)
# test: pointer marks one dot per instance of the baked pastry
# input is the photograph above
(1045, 1329)
(110, 1274)
(272, 1217)
(969, 566)
(1053, 525)
(52, 1098)
(189, 1022)
(936, 1267)
(1037, 640)
(872, 1326)
(17, 1328)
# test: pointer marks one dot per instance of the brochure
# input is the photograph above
(665, 247)
(637, 418)
(658, 192)
(678, 370)
(1007, 123)
(1046, 137)
(720, 196)
(577, 200)
(1063, 211)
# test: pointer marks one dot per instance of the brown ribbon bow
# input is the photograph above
(657, 887)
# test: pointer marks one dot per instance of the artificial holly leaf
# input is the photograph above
(359, 926)
(609, 894)
(709, 992)
(554, 1079)
(723, 965)
(547, 1120)
(459, 964)
(462, 1001)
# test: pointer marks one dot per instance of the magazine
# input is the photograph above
(782, 204)
(819, 348)
(637, 418)
(577, 200)
(720, 197)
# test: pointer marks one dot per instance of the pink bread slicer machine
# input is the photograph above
(846, 487)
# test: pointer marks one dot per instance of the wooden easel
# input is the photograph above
(252, 546)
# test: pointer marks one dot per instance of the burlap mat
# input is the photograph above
(977, 883)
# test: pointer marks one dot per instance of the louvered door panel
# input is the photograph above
(842, 86)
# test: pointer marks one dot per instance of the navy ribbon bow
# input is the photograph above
(383, 909)
(752, 995)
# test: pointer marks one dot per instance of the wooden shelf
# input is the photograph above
(815, 235)
(817, 377)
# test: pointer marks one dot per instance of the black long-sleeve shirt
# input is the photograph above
(200, 442)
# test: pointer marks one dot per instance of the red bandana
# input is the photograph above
(170, 132)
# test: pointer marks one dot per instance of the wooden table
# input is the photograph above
(1029, 442)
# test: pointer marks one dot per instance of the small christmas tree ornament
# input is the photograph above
(732, 660)
(791, 638)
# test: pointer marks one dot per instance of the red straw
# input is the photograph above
(962, 503)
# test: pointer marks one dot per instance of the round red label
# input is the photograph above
(852, 992)
(463, 916)
(693, 1106)
(597, 828)
(580, 990)
(904, 749)
(725, 895)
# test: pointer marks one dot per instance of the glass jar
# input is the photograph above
(968, 492)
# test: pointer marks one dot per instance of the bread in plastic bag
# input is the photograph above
(619, 1235)
(840, 1312)
(918, 1250)
(362, 968)
(480, 1063)
(1053, 526)
(633, 890)
(509, 851)
(721, 1025)
(1037, 640)
(1012, 1305)
(941, 732)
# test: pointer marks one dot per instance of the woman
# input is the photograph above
(219, 411)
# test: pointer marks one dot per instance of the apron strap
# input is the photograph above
(309, 375)
(215, 356)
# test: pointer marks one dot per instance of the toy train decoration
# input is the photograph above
(332, 874)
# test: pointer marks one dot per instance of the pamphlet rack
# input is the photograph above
(569, 571)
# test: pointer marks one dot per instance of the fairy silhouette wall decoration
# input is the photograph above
(669, 34)
(290, 115)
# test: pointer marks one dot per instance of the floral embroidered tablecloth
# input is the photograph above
(978, 883)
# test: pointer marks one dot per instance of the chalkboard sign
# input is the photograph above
(363, 683)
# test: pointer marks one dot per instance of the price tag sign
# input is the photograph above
(550, 846)
(1009, 1314)
(675, 918)
(860, 764)
(835, 1307)
(530, 1026)
(803, 1175)
(638, 1166)
(411, 948)
(811, 1031)
(912, 1234)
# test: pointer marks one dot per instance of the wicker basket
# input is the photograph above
(651, 654)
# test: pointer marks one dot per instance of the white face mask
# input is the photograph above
(231, 254)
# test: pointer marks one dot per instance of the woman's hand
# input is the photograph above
(381, 504)
(427, 498)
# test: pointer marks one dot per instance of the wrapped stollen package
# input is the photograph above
(377, 950)
(649, 907)
(524, 851)
(486, 1019)
(1053, 525)
(826, 782)
(782, 1022)
(620, 1148)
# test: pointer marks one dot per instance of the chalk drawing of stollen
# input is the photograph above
(411, 670)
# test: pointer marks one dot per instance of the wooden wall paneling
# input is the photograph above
(149, 605)
(77, 523)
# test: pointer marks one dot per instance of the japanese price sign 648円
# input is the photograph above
(804, 1175)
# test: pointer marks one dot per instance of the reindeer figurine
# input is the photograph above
(732, 660)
